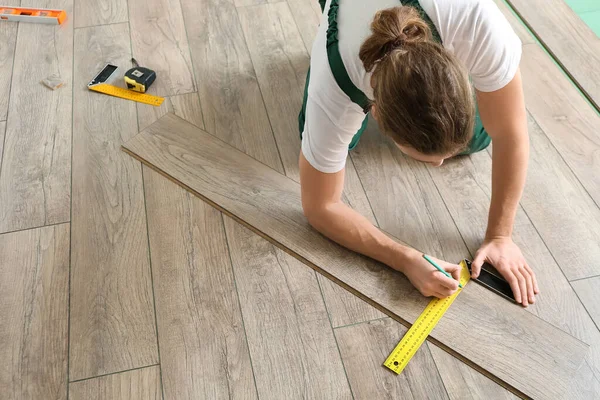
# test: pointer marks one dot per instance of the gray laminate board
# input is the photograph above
(293, 349)
(99, 12)
(139, 384)
(568, 38)
(231, 100)
(364, 347)
(34, 296)
(8, 38)
(186, 106)
(159, 42)
(202, 342)
(112, 311)
(588, 291)
(36, 168)
(270, 203)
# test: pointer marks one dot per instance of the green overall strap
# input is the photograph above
(335, 59)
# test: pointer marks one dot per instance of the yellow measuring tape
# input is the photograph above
(416, 335)
(127, 94)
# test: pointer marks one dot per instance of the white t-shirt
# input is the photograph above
(475, 31)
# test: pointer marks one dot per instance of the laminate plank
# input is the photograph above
(8, 38)
(293, 349)
(99, 12)
(364, 347)
(112, 312)
(568, 38)
(465, 186)
(139, 384)
(281, 63)
(231, 100)
(463, 382)
(564, 116)
(36, 168)
(343, 307)
(557, 204)
(307, 14)
(202, 342)
(186, 106)
(588, 291)
(34, 282)
(159, 41)
(538, 364)
(403, 199)
(2, 131)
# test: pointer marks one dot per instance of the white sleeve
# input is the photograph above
(488, 46)
(324, 143)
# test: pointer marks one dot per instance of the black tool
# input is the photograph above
(492, 281)
(139, 78)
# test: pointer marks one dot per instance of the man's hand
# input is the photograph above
(507, 258)
(428, 280)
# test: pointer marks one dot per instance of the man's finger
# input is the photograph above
(454, 270)
(477, 263)
(529, 282)
(442, 294)
(522, 286)
(536, 289)
(446, 282)
(514, 285)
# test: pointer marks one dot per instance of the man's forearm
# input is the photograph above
(509, 172)
(350, 229)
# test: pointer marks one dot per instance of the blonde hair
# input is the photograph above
(423, 96)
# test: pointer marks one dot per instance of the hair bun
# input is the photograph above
(393, 28)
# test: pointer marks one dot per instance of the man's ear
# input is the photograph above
(373, 111)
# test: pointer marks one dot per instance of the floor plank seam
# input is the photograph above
(586, 309)
(12, 74)
(237, 295)
(337, 345)
(193, 71)
(308, 51)
(582, 279)
(113, 373)
(261, 92)
(35, 227)
(162, 386)
(546, 47)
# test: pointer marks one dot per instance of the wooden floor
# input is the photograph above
(115, 283)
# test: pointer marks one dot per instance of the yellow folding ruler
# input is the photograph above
(98, 85)
(416, 335)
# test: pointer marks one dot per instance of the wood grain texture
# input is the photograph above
(8, 38)
(564, 116)
(112, 314)
(568, 38)
(139, 384)
(307, 14)
(35, 176)
(465, 186)
(159, 42)
(588, 291)
(186, 106)
(232, 104)
(293, 349)
(2, 131)
(203, 347)
(521, 30)
(557, 204)
(99, 12)
(34, 287)
(270, 203)
(463, 382)
(281, 63)
(365, 346)
(343, 307)
(403, 199)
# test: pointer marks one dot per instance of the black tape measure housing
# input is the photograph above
(139, 79)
